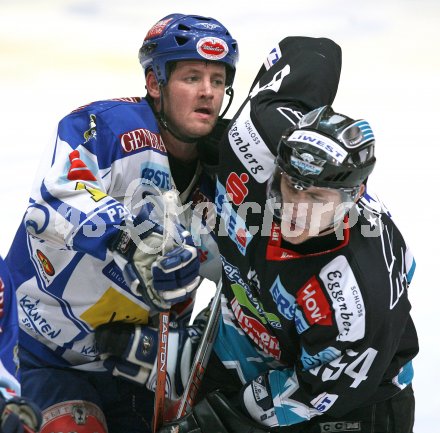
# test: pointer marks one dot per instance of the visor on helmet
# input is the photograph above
(301, 206)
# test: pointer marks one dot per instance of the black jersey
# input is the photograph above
(329, 324)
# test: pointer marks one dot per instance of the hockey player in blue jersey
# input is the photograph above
(89, 255)
(17, 414)
(315, 332)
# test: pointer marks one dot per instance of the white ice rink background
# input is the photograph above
(56, 55)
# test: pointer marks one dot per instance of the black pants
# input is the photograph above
(395, 415)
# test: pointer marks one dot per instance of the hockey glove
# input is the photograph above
(161, 280)
(195, 330)
(256, 400)
(19, 415)
(214, 414)
(130, 351)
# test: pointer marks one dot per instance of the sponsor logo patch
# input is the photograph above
(273, 57)
(156, 175)
(113, 273)
(306, 164)
(114, 307)
(141, 138)
(256, 331)
(212, 48)
(340, 426)
(46, 264)
(247, 300)
(78, 170)
(157, 29)
(91, 132)
(324, 401)
(250, 148)
(321, 142)
(233, 223)
(236, 188)
(33, 318)
(323, 357)
(314, 303)
(346, 297)
(285, 302)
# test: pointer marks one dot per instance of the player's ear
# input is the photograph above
(360, 192)
(152, 85)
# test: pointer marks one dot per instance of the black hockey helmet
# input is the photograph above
(325, 152)
(327, 149)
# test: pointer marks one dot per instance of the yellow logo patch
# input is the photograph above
(115, 307)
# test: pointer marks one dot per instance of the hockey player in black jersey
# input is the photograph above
(315, 333)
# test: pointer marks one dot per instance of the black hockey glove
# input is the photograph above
(19, 415)
(214, 414)
(161, 279)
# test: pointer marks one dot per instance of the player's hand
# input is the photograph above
(176, 274)
(161, 279)
(256, 401)
(130, 351)
(214, 414)
(19, 415)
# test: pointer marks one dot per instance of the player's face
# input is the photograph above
(306, 213)
(193, 96)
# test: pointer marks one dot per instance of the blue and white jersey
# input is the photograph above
(105, 155)
(9, 373)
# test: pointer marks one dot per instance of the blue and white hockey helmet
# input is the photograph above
(179, 37)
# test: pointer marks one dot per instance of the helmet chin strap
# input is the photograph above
(230, 93)
(326, 231)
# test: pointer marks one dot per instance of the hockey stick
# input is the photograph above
(161, 378)
(170, 206)
(201, 357)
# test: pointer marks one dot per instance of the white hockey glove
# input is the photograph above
(257, 403)
(161, 279)
(19, 415)
(130, 352)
